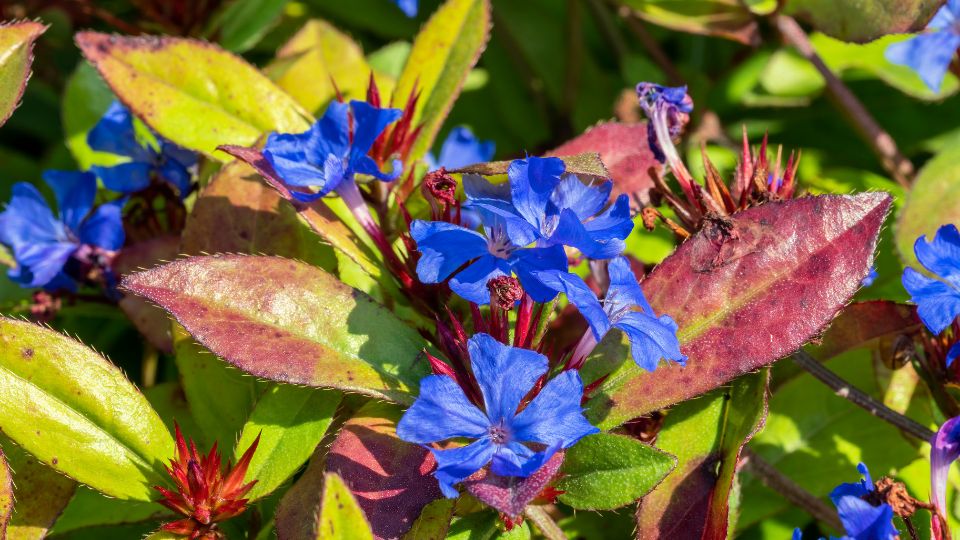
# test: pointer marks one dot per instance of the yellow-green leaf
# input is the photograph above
(42, 493)
(340, 515)
(76, 412)
(16, 56)
(444, 52)
(192, 92)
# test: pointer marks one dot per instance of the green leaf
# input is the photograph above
(6, 494)
(42, 493)
(317, 61)
(89, 509)
(16, 56)
(290, 322)
(340, 515)
(933, 201)
(444, 52)
(290, 421)
(434, 521)
(606, 471)
(707, 435)
(85, 98)
(76, 412)
(485, 525)
(241, 24)
(724, 18)
(191, 92)
(864, 20)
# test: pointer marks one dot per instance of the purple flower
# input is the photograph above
(862, 520)
(501, 435)
(930, 53)
(944, 450)
(666, 108)
(459, 149)
(328, 155)
(115, 134)
(624, 307)
(43, 243)
(938, 300)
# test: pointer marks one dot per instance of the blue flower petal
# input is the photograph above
(945, 16)
(615, 222)
(864, 521)
(287, 153)
(39, 264)
(328, 135)
(471, 283)
(75, 192)
(441, 412)
(114, 133)
(527, 262)
(555, 416)
(171, 151)
(462, 148)
(104, 227)
(177, 175)
(515, 459)
(941, 256)
(580, 295)
(457, 464)
(444, 248)
(651, 338)
(478, 187)
(928, 54)
(532, 182)
(505, 374)
(28, 220)
(368, 123)
(624, 288)
(408, 7)
(953, 353)
(938, 304)
(366, 165)
(501, 215)
(127, 177)
(584, 200)
(571, 232)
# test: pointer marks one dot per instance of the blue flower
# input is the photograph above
(408, 7)
(115, 134)
(328, 155)
(624, 307)
(43, 243)
(938, 300)
(461, 148)
(862, 520)
(871, 276)
(553, 420)
(551, 208)
(930, 53)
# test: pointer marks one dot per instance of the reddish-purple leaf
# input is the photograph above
(298, 512)
(867, 324)
(390, 478)
(16, 57)
(511, 495)
(150, 320)
(747, 292)
(707, 435)
(288, 321)
(625, 151)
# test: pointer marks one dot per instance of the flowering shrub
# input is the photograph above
(434, 291)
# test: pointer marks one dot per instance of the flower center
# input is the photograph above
(499, 433)
(499, 244)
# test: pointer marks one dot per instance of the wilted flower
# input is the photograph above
(459, 149)
(944, 450)
(503, 433)
(667, 108)
(206, 493)
(652, 338)
(930, 53)
(44, 244)
(115, 134)
(938, 300)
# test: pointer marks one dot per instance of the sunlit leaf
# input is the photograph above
(16, 56)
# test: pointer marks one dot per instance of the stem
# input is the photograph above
(859, 398)
(151, 359)
(791, 491)
(879, 140)
(544, 522)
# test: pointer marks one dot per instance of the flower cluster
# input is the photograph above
(937, 299)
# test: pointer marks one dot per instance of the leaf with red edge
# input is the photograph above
(745, 293)
(290, 322)
(16, 57)
(625, 151)
(390, 478)
(511, 495)
(151, 321)
(706, 435)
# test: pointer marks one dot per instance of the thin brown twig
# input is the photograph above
(879, 140)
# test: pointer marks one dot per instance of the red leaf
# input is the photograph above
(390, 478)
(624, 150)
(511, 495)
(865, 324)
(746, 293)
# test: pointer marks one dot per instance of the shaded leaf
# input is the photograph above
(390, 478)
(625, 151)
(242, 24)
(192, 92)
(748, 296)
(723, 18)
(340, 516)
(89, 510)
(151, 321)
(875, 324)
(864, 20)
(434, 521)
(42, 494)
(290, 421)
(485, 525)
(319, 60)
(288, 321)
(6, 494)
(509, 494)
(443, 53)
(77, 413)
(706, 435)
(934, 200)
(585, 164)
(605, 471)
(16, 57)
(297, 517)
